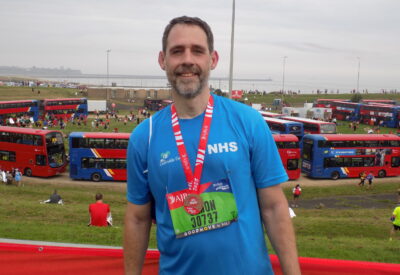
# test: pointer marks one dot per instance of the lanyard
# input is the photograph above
(193, 179)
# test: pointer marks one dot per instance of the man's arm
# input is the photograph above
(275, 214)
(136, 236)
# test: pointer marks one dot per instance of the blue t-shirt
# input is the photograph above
(240, 148)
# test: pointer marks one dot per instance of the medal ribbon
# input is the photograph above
(193, 180)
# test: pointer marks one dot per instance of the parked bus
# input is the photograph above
(34, 152)
(65, 108)
(383, 114)
(382, 101)
(98, 156)
(271, 114)
(282, 126)
(325, 103)
(18, 108)
(289, 150)
(312, 126)
(348, 155)
(346, 110)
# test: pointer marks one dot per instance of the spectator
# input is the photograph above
(363, 175)
(54, 198)
(370, 178)
(296, 195)
(395, 221)
(100, 214)
(18, 177)
(9, 178)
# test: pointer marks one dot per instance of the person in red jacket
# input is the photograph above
(100, 214)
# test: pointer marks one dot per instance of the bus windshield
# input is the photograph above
(55, 149)
(328, 128)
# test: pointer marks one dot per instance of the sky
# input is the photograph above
(324, 40)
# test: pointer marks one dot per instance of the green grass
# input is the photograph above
(352, 234)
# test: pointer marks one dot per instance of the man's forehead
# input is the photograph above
(186, 34)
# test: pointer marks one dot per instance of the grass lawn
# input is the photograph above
(351, 233)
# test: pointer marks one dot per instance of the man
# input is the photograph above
(209, 219)
(395, 221)
(54, 198)
(100, 214)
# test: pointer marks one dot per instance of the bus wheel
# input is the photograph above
(28, 172)
(96, 177)
(381, 174)
(335, 175)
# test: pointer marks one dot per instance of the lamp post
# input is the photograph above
(358, 73)
(231, 56)
(108, 52)
(283, 76)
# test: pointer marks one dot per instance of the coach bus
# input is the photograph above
(346, 110)
(64, 108)
(383, 114)
(289, 151)
(19, 108)
(348, 155)
(98, 156)
(380, 101)
(271, 114)
(312, 126)
(34, 152)
(326, 103)
(282, 126)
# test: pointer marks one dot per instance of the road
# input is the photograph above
(64, 179)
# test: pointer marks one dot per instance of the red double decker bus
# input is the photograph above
(325, 103)
(312, 126)
(34, 152)
(18, 108)
(98, 156)
(271, 114)
(64, 108)
(289, 151)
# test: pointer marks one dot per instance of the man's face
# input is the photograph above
(187, 60)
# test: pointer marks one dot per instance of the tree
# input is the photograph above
(356, 97)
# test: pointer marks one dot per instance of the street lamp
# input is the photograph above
(358, 74)
(231, 55)
(108, 52)
(283, 77)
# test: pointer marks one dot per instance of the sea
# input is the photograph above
(302, 86)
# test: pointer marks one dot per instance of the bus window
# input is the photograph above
(292, 164)
(328, 128)
(395, 161)
(41, 160)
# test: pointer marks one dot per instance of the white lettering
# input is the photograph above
(212, 148)
(223, 147)
(233, 146)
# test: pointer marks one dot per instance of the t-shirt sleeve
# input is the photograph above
(137, 185)
(266, 163)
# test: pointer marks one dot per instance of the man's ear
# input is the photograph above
(161, 59)
(214, 59)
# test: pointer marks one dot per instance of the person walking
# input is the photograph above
(395, 221)
(363, 175)
(208, 220)
(370, 178)
(296, 195)
(18, 178)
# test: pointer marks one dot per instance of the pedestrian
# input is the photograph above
(296, 195)
(363, 175)
(18, 178)
(370, 178)
(9, 178)
(100, 214)
(214, 213)
(55, 198)
(395, 218)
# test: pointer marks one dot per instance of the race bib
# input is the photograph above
(219, 209)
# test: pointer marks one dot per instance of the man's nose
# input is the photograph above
(188, 58)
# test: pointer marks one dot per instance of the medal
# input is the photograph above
(193, 204)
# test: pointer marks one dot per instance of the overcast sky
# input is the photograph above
(322, 39)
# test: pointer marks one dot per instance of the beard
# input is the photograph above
(188, 88)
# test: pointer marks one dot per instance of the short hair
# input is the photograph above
(188, 21)
(99, 196)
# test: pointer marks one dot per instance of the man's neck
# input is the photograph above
(190, 107)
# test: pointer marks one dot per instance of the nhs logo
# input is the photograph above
(223, 147)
